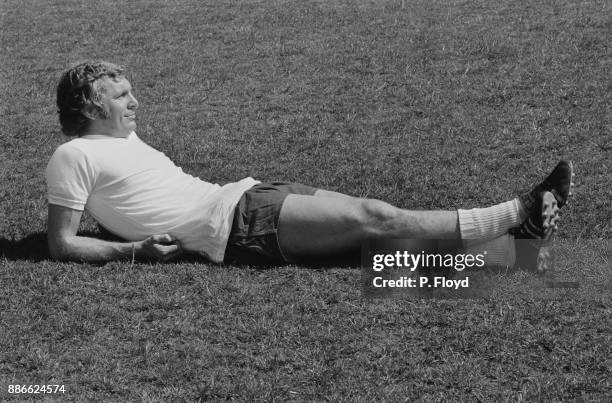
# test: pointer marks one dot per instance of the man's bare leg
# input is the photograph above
(318, 226)
(500, 251)
(332, 194)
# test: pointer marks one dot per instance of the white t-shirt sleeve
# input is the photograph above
(70, 178)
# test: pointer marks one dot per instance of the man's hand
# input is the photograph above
(162, 247)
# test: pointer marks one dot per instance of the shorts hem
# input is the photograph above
(256, 220)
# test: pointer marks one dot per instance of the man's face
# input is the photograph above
(120, 106)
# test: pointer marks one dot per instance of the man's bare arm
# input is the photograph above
(65, 244)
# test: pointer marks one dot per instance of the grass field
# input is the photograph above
(425, 104)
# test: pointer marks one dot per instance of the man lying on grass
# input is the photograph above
(138, 194)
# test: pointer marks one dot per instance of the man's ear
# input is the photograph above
(91, 112)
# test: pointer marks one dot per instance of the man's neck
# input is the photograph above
(100, 129)
(92, 133)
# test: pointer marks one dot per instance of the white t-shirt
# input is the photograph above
(136, 191)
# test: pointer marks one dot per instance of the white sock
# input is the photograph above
(500, 251)
(490, 222)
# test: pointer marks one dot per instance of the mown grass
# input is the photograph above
(195, 331)
(426, 104)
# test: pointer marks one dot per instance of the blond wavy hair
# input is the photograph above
(77, 90)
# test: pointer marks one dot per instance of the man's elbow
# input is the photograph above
(59, 249)
(57, 254)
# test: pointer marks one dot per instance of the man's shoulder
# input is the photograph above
(71, 148)
(90, 145)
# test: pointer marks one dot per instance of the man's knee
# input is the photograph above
(376, 216)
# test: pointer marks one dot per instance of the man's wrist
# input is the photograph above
(135, 251)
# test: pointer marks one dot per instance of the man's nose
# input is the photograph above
(133, 104)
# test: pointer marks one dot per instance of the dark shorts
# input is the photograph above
(254, 235)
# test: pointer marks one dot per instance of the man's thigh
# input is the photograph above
(330, 193)
(311, 227)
